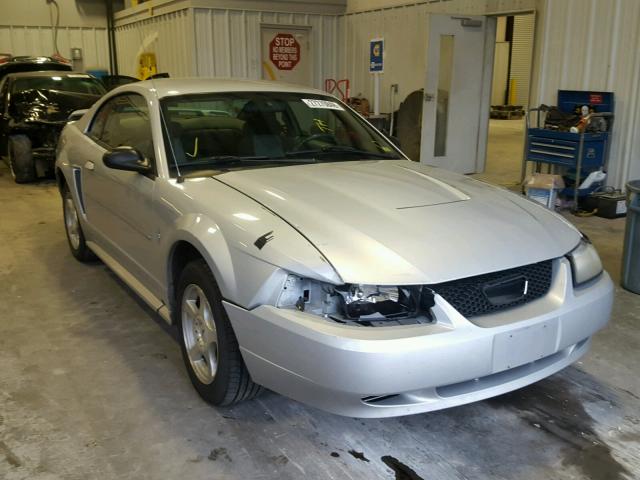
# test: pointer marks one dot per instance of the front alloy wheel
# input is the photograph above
(209, 347)
(199, 333)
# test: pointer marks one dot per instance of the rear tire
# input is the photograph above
(23, 169)
(73, 229)
(209, 347)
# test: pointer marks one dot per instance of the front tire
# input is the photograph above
(73, 229)
(23, 169)
(209, 347)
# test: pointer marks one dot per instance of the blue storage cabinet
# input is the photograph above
(579, 153)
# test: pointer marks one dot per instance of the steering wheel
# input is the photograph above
(317, 136)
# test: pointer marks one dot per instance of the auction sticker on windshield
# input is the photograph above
(315, 103)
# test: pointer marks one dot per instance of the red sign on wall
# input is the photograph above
(284, 51)
(595, 98)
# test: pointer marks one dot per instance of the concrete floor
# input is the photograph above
(504, 152)
(92, 386)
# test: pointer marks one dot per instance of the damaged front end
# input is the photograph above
(361, 305)
(41, 115)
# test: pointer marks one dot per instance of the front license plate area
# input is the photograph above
(525, 345)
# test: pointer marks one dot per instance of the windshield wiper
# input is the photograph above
(330, 149)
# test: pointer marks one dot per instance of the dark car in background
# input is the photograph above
(11, 64)
(34, 107)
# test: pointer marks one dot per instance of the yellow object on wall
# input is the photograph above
(513, 91)
(147, 65)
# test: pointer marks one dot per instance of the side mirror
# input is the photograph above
(395, 141)
(76, 115)
(126, 158)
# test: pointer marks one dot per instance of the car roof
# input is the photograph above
(47, 73)
(30, 64)
(167, 87)
(30, 59)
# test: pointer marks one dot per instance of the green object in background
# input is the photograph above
(631, 252)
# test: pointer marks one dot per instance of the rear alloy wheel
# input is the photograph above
(75, 237)
(209, 347)
(23, 169)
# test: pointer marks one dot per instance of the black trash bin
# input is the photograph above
(631, 252)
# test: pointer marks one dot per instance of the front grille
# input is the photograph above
(497, 291)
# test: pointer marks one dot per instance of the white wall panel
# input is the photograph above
(38, 13)
(220, 42)
(228, 42)
(405, 31)
(30, 40)
(169, 36)
(580, 44)
(469, 7)
(595, 45)
(405, 28)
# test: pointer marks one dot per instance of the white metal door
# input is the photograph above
(456, 98)
(286, 55)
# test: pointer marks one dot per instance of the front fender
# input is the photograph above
(249, 267)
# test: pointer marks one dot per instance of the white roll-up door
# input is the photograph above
(521, 53)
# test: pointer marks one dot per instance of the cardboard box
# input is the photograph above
(543, 188)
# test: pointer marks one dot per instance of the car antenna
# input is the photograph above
(165, 127)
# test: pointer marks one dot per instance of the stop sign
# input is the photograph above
(284, 51)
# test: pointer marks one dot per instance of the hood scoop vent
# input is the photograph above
(454, 194)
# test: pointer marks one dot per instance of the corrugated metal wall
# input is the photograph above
(221, 42)
(228, 42)
(38, 40)
(405, 32)
(405, 29)
(521, 55)
(595, 45)
(580, 44)
(169, 36)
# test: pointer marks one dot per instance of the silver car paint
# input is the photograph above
(429, 367)
(399, 223)
(381, 222)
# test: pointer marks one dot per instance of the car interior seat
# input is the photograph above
(209, 136)
(262, 134)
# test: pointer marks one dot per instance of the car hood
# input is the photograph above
(400, 222)
(48, 106)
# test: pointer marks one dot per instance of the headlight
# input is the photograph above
(585, 262)
(363, 304)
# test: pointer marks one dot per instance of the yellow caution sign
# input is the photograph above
(147, 65)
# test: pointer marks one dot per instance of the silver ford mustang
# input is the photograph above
(298, 249)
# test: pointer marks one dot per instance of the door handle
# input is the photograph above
(89, 165)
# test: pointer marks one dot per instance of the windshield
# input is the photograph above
(255, 129)
(80, 83)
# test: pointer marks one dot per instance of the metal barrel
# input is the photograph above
(631, 252)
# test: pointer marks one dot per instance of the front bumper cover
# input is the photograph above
(401, 370)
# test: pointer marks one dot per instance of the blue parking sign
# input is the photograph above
(376, 55)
